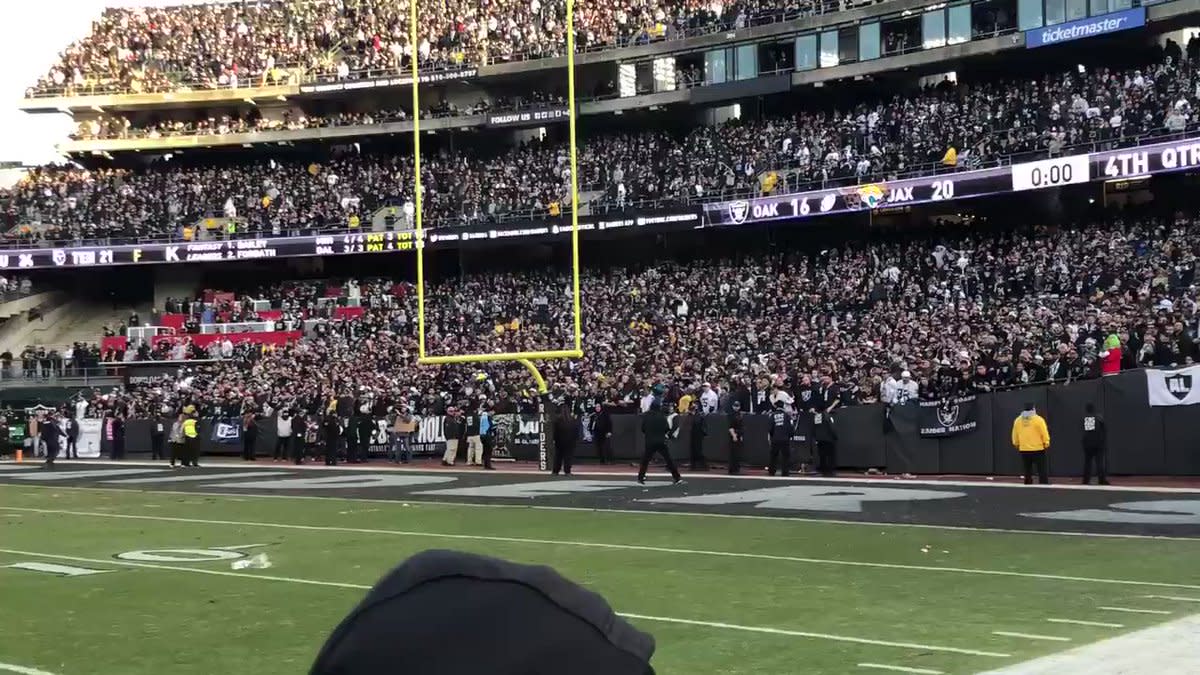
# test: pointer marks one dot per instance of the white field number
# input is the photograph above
(56, 569)
(166, 555)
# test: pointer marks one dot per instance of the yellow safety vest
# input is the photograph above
(189, 428)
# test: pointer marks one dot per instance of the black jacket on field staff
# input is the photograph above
(1093, 431)
(823, 428)
(782, 426)
(453, 427)
(655, 427)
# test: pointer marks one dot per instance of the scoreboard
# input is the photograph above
(1136, 162)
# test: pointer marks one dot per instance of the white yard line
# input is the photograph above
(22, 670)
(641, 617)
(900, 669)
(1177, 598)
(61, 474)
(1031, 636)
(1134, 610)
(816, 636)
(184, 478)
(783, 518)
(892, 480)
(1172, 648)
(602, 545)
(177, 568)
(1078, 622)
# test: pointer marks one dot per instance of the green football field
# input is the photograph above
(138, 583)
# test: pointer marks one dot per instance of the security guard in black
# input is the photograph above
(782, 427)
(655, 429)
(737, 438)
(1093, 446)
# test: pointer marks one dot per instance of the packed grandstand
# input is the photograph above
(965, 304)
(221, 45)
(964, 311)
(941, 127)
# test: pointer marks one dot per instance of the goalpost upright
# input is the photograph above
(526, 359)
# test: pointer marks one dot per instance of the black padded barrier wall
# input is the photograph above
(1141, 440)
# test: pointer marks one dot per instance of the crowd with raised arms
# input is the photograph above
(939, 314)
(982, 122)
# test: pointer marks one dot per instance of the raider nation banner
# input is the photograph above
(1173, 387)
(948, 417)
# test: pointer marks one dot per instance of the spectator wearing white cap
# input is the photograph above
(899, 392)
(709, 400)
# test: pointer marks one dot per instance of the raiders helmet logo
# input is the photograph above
(1179, 385)
(947, 413)
(738, 211)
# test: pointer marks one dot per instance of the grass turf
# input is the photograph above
(146, 620)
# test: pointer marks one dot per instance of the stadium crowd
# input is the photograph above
(225, 45)
(220, 125)
(981, 122)
(965, 310)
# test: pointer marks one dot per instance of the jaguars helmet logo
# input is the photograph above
(871, 195)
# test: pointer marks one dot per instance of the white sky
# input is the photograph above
(32, 34)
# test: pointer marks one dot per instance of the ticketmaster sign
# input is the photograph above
(1085, 28)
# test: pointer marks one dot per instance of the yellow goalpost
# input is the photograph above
(526, 359)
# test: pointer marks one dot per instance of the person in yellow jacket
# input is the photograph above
(191, 441)
(685, 403)
(1031, 438)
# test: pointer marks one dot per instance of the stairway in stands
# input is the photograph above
(83, 322)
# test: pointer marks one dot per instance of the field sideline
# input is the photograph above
(138, 579)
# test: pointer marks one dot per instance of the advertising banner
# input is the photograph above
(431, 77)
(948, 417)
(1085, 28)
(149, 373)
(529, 118)
(430, 438)
(89, 438)
(227, 431)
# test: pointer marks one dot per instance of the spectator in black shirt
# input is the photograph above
(1094, 441)
(655, 429)
(782, 428)
(566, 433)
(601, 428)
(737, 438)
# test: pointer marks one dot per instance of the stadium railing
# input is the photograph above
(103, 374)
